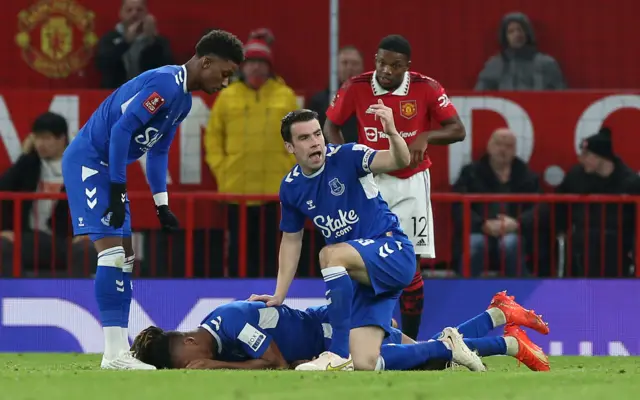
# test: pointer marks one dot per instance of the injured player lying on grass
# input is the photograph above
(250, 335)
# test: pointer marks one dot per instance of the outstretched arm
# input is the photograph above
(288, 259)
(290, 248)
(271, 359)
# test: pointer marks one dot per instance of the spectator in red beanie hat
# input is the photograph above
(258, 65)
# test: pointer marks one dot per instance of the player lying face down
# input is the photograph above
(247, 335)
(238, 335)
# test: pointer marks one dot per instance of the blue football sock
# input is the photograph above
(109, 286)
(402, 357)
(477, 327)
(127, 271)
(340, 296)
(488, 346)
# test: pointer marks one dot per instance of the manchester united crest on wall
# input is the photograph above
(56, 37)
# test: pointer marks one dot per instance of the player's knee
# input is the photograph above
(340, 255)
(365, 362)
(330, 256)
(112, 257)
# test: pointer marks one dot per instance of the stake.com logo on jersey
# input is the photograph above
(339, 226)
(373, 134)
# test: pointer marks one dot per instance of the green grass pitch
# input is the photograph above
(77, 376)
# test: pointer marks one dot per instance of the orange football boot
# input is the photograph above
(518, 315)
(529, 353)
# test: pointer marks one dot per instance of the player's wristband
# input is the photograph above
(161, 199)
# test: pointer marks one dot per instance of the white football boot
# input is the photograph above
(327, 361)
(125, 360)
(461, 353)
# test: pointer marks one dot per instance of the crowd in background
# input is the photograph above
(244, 153)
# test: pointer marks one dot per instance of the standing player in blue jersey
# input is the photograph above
(368, 259)
(138, 118)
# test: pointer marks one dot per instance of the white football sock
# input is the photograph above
(380, 364)
(512, 346)
(497, 317)
(125, 338)
(112, 342)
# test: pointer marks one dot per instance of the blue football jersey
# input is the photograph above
(341, 198)
(244, 330)
(140, 117)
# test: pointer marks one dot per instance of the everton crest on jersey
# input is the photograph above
(341, 198)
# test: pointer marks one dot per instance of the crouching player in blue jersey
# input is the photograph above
(250, 335)
(140, 117)
(368, 259)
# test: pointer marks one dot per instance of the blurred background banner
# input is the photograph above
(61, 315)
(594, 50)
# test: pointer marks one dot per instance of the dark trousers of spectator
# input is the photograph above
(42, 254)
(595, 257)
(508, 249)
(262, 230)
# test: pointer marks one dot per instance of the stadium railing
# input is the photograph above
(600, 240)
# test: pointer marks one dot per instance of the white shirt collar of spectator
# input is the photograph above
(402, 90)
(184, 81)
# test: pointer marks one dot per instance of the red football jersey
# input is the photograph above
(417, 102)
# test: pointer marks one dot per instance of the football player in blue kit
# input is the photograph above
(368, 260)
(250, 335)
(139, 118)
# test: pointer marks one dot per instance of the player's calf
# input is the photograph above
(334, 261)
(114, 292)
(109, 289)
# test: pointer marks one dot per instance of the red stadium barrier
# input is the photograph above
(201, 248)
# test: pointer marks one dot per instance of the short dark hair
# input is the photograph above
(153, 346)
(222, 44)
(301, 115)
(397, 44)
(50, 122)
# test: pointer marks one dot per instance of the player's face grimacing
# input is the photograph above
(216, 73)
(390, 68)
(308, 145)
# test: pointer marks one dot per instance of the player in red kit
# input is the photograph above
(416, 101)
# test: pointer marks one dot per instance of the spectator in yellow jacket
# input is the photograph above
(245, 153)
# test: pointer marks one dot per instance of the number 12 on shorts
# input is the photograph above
(419, 224)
